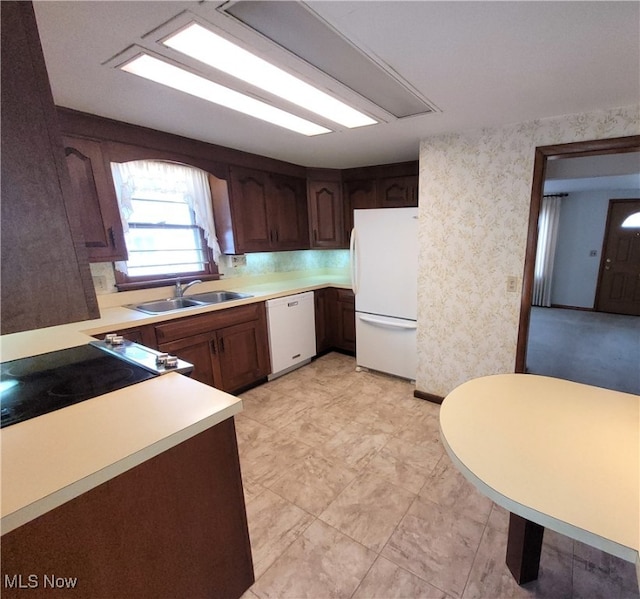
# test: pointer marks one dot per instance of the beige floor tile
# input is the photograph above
(314, 482)
(499, 518)
(592, 566)
(436, 544)
(250, 487)
(383, 416)
(424, 428)
(275, 410)
(447, 487)
(265, 462)
(368, 510)
(490, 576)
(322, 563)
(312, 430)
(385, 580)
(274, 524)
(250, 431)
(405, 464)
(355, 444)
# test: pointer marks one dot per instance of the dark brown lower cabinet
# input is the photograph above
(174, 526)
(229, 349)
(345, 332)
(335, 320)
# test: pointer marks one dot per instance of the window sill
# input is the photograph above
(134, 285)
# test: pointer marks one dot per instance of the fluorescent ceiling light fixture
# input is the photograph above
(204, 45)
(162, 72)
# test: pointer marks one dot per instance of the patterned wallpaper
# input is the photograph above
(474, 197)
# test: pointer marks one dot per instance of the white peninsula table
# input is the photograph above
(556, 454)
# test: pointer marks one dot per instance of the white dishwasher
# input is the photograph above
(292, 332)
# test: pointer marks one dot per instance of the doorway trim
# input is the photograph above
(614, 145)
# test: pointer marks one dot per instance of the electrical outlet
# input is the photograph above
(512, 284)
(240, 260)
(100, 284)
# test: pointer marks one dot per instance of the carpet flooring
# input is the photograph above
(587, 347)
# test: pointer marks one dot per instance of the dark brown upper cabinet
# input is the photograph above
(326, 214)
(46, 279)
(262, 212)
(398, 192)
(358, 194)
(95, 199)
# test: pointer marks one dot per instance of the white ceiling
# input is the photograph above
(480, 63)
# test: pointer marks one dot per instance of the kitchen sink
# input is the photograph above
(182, 303)
(215, 297)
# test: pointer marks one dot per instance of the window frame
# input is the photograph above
(125, 282)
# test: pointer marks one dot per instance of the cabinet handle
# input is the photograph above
(212, 343)
(112, 237)
(221, 345)
(276, 232)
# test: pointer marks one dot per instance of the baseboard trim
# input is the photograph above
(562, 306)
(428, 396)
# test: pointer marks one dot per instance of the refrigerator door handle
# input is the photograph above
(387, 323)
(353, 260)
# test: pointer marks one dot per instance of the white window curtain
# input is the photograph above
(139, 176)
(548, 222)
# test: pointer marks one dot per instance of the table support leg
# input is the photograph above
(523, 548)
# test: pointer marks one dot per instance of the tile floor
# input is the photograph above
(349, 493)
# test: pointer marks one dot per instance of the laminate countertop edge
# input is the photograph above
(49, 460)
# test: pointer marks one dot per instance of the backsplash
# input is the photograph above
(256, 264)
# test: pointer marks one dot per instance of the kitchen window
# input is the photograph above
(167, 217)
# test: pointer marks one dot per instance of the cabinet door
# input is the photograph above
(288, 213)
(326, 212)
(325, 312)
(249, 200)
(96, 200)
(200, 350)
(345, 321)
(358, 195)
(242, 356)
(398, 192)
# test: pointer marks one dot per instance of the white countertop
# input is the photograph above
(561, 454)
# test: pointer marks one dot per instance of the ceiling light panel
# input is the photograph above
(159, 71)
(295, 27)
(212, 49)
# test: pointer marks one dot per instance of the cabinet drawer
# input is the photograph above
(193, 325)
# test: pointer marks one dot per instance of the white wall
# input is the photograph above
(475, 190)
(583, 217)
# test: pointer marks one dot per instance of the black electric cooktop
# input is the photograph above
(41, 384)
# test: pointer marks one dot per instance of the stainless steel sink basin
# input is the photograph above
(176, 303)
(182, 303)
(215, 297)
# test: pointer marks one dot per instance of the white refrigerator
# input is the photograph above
(384, 276)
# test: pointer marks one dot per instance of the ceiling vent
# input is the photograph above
(296, 28)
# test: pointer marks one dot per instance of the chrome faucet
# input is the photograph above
(178, 290)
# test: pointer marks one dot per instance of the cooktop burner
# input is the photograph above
(38, 385)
